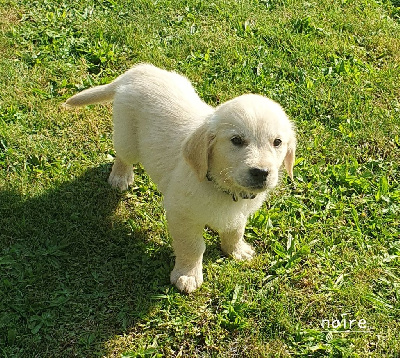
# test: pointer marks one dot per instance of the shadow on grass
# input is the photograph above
(72, 275)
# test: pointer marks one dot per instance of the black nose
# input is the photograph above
(259, 175)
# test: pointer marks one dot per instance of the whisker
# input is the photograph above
(224, 173)
(226, 170)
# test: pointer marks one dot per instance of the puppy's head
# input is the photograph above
(243, 145)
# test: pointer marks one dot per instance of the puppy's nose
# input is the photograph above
(259, 175)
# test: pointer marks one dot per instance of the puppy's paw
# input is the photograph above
(119, 181)
(242, 251)
(186, 283)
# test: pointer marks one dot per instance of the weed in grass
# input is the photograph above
(233, 313)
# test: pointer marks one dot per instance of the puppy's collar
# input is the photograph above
(226, 191)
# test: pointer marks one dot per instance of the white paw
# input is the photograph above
(121, 182)
(187, 282)
(242, 251)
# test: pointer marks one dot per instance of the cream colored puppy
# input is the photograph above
(213, 165)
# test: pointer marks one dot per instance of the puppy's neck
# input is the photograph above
(235, 196)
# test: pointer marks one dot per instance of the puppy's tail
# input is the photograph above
(99, 94)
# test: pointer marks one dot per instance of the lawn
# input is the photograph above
(84, 269)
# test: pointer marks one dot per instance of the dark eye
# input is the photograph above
(236, 140)
(277, 142)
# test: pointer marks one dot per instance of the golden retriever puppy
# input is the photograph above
(212, 165)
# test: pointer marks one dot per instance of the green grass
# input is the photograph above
(84, 270)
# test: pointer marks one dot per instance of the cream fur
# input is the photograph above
(160, 121)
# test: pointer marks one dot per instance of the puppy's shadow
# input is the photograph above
(73, 270)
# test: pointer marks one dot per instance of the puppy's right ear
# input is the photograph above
(196, 149)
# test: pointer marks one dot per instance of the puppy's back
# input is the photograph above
(152, 86)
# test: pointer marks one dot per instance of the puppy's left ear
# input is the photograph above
(196, 149)
(290, 156)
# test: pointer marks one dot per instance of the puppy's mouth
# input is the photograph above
(237, 190)
(256, 187)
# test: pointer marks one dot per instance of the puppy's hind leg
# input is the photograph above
(121, 175)
(125, 143)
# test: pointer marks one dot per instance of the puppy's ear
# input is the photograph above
(196, 148)
(290, 156)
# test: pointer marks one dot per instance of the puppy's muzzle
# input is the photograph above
(258, 177)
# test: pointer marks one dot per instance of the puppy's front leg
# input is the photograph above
(233, 244)
(188, 245)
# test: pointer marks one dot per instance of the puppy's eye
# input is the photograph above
(238, 141)
(277, 142)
